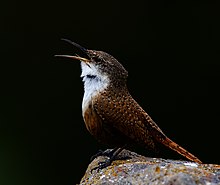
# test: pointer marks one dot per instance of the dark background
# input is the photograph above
(170, 49)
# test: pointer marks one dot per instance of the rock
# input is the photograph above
(140, 170)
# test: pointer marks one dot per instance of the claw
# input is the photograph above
(107, 153)
(112, 154)
(102, 165)
(99, 153)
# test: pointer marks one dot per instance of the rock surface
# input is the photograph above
(140, 170)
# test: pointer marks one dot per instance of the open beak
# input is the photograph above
(75, 57)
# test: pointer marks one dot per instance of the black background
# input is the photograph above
(170, 49)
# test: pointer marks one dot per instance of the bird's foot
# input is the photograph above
(107, 153)
(107, 163)
(103, 164)
(99, 153)
(112, 154)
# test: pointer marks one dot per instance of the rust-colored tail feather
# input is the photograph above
(174, 146)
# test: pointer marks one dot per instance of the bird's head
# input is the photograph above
(99, 66)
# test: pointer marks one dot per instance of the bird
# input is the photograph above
(111, 114)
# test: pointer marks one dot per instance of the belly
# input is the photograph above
(92, 121)
(102, 130)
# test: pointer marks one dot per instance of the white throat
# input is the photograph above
(94, 82)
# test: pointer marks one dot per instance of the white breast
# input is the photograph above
(92, 86)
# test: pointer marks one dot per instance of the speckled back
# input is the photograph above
(119, 110)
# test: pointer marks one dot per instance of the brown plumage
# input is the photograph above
(110, 113)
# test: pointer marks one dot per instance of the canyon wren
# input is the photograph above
(110, 113)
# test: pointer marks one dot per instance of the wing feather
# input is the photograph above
(123, 113)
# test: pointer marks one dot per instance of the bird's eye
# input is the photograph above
(97, 59)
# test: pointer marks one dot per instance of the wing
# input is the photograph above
(123, 113)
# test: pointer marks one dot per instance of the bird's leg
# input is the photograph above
(112, 155)
(107, 153)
